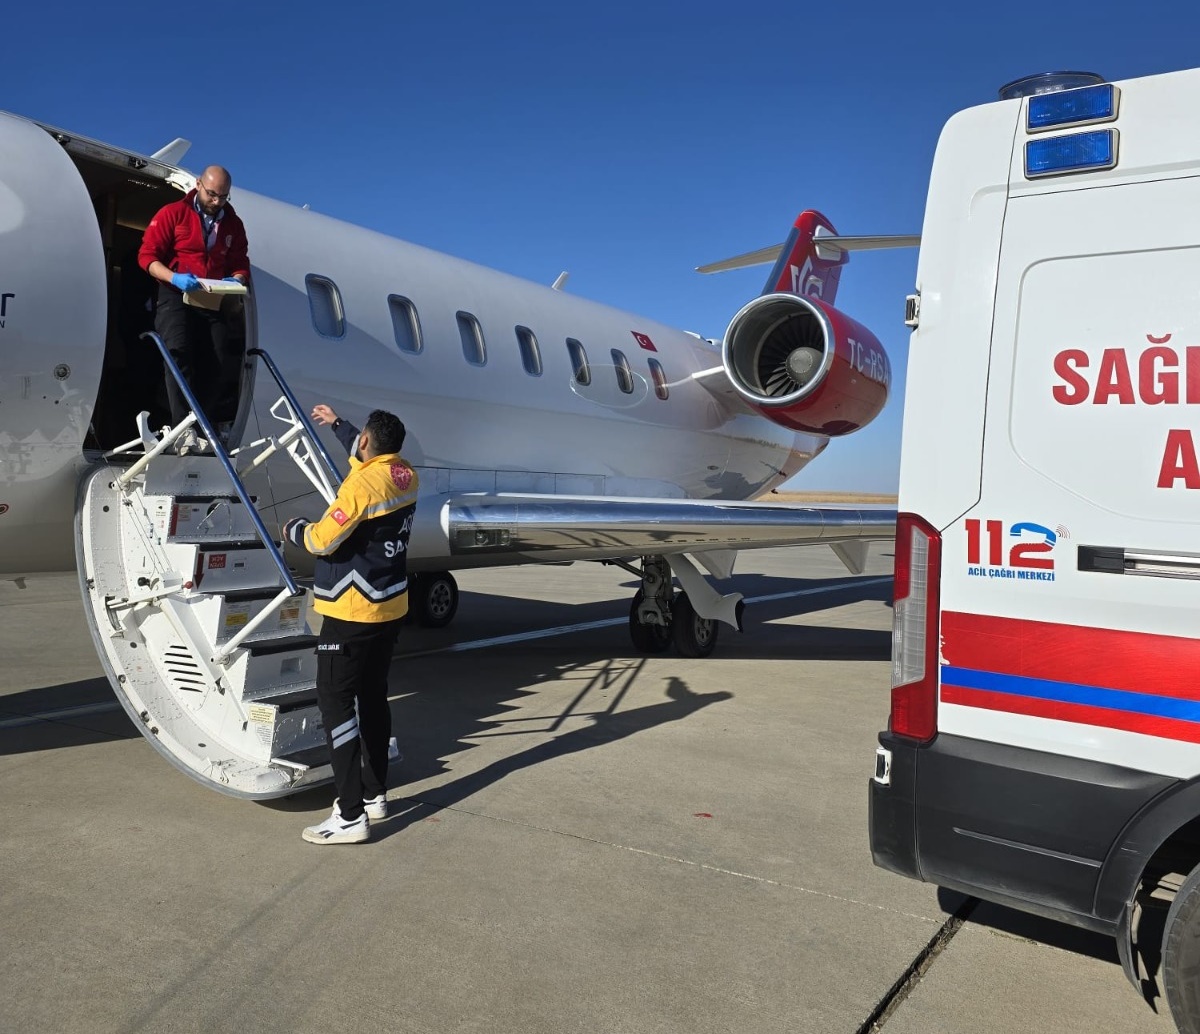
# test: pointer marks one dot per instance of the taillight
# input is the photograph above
(915, 615)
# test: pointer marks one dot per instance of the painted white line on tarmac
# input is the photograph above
(67, 713)
(61, 713)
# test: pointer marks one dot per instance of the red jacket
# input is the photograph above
(175, 238)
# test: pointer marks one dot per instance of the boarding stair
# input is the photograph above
(200, 623)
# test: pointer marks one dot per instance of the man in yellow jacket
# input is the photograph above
(361, 588)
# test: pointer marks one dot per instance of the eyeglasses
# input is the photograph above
(213, 194)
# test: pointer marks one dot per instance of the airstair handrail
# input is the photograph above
(309, 428)
(219, 451)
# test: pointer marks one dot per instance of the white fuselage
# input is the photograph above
(491, 427)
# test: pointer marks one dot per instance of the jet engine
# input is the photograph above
(804, 365)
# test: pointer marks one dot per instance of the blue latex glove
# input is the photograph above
(232, 280)
(185, 281)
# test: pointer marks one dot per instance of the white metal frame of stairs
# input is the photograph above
(200, 625)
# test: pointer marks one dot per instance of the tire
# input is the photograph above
(646, 638)
(436, 599)
(1181, 956)
(694, 636)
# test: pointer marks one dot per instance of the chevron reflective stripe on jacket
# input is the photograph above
(361, 542)
(363, 586)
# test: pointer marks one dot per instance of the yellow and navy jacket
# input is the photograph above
(361, 541)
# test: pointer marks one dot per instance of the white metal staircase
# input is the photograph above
(197, 619)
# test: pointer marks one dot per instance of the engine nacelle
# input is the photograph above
(806, 366)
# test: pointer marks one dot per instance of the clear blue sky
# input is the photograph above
(625, 142)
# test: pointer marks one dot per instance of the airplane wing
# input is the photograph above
(562, 528)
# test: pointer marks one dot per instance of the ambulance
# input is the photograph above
(1043, 746)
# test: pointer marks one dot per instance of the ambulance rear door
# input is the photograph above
(1070, 594)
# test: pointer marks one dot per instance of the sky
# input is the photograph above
(624, 142)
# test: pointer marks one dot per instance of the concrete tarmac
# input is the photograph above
(581, 839)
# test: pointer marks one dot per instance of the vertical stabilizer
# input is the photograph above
(799, 269)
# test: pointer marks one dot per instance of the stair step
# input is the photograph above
(227, 545)
(221, 566)
(312, 757)
(289, 698)
(186, 476)
(222, 616)
(279, 665)
(254, 595)
(284, 645)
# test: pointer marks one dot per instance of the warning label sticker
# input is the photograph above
(237, 618)
(261, 714)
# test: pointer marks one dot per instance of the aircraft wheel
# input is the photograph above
(694, 636)
(435, 599)
(646, 638)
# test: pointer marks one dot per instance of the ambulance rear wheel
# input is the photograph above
(435, 601)
(1181, 956)
(694, 636)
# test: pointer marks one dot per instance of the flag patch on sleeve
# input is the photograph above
(339, 515)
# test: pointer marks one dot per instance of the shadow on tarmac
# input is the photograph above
(608, 727)
(99, 718)
(1031, 927)
(446, 702)
(1072, 938)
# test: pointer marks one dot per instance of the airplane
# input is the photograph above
(544, 428)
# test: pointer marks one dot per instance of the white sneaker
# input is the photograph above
(336, 830)
(376, 807)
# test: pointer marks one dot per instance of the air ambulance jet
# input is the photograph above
(544, 427)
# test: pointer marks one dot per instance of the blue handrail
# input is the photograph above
(227, 463)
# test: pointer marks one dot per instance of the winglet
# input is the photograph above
(173, 153)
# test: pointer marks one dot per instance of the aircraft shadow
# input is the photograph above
(81, 716)
(608, 727)
(445, 701)
(449, 701)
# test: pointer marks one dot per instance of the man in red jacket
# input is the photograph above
(197, 236)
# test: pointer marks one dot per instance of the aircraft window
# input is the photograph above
(474, 347)
(406, 325)
(624, 373)
(579, 362)
(659, 376)
(531, 355)
(325, 304)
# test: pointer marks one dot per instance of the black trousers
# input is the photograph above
(353, 658)
(200, 343)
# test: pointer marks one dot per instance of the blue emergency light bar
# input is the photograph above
(1071, 108)
(1078, 152)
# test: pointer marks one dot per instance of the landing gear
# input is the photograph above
(650, 612)
(647, 636)
(659, 616)
(694, 636)
(433, 598)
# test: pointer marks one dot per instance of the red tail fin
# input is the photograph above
(799, 270)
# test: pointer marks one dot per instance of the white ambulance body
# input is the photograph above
(1043, 749)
